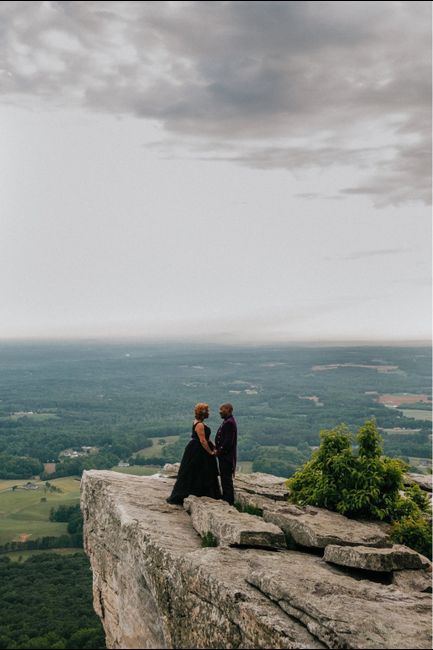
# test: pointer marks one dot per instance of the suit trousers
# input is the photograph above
(226, 472)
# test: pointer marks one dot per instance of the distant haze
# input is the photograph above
(216, 171)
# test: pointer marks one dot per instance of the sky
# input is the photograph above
(215, 171)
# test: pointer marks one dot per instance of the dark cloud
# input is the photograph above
(244, 74)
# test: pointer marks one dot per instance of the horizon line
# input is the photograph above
(412, 342)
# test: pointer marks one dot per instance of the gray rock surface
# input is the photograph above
(170, 470)
(230, 527)
(255, 500)
(419, 580)
(373, 559)
(340, 611)
(155, 587)
(423, 480)
(317, 527)
(267, 485)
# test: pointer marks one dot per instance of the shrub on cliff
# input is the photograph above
(360, 483)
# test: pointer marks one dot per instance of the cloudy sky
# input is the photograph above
(226, 171)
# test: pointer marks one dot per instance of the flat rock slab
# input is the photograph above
(248, 499)
(230, 527)
(266, 485)
(338, 609)
(423, 480)
(317, 527)
(373, 559)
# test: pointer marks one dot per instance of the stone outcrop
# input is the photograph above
(374, 559)
(317, 527)
(230, 527)
(155, 586)
(340, 611)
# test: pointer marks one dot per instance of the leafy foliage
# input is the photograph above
(413, 531)
(363, 484)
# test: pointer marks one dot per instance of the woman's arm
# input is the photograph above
(202, 437)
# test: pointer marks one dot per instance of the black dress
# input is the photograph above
(198, 471)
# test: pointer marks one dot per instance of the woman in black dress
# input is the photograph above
(198, 471)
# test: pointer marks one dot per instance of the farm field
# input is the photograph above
(138, 470)
(24, 516)
(417, 415)
(157, 445)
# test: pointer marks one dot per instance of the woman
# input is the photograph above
(198, 471)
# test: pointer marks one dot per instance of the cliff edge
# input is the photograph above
(289, 578)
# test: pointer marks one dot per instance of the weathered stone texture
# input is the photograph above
(317, 527)
(340, 611)
(374, 559)
(230, 527)
(266, 485)
(154, 586)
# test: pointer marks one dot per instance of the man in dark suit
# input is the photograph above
(225, 451)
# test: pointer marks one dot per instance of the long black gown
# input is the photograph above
(198, 471)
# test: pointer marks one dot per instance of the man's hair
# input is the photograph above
(200, 409)
(227, 406)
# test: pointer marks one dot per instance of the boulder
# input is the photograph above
(266, 485)
(318, 527)
(373, 559)
(230, 527)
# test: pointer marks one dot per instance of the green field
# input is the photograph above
(138, 470)
(22, 556)
(155, 451)
(23, 513)
(417, 415)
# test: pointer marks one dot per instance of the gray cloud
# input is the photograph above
(359, 255)
(234, 79)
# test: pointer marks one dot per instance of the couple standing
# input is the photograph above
(198, 471)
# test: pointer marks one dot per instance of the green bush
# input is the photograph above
(415, 533)
(362, 484)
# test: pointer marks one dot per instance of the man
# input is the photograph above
(225, 450)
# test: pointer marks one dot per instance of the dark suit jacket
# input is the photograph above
(226, 440)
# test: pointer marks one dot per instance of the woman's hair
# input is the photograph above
(201, 409)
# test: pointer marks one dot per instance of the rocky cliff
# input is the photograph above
(285, 577)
